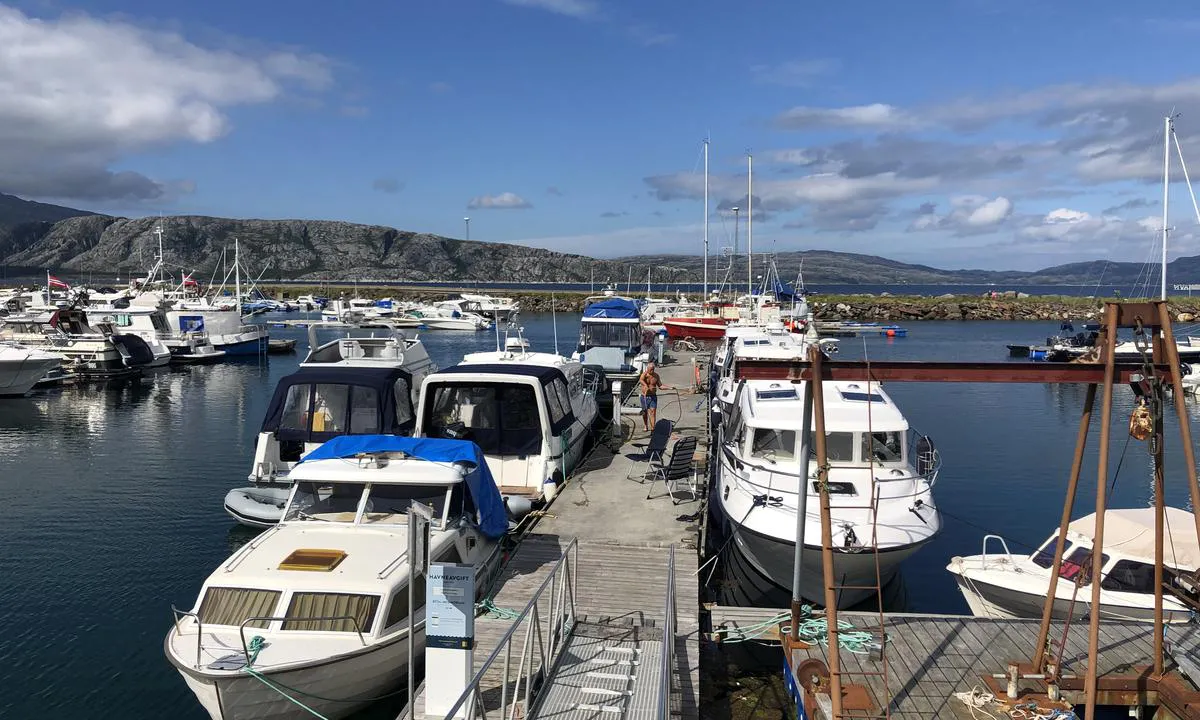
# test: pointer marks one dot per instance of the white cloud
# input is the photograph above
(969, 214)
(875, 115)
(79, 93)
(794, 73)
(503, 201)
(581, 9)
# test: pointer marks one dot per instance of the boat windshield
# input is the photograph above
(884, 447)
(606, 334)
(501, 418)
(385, 503)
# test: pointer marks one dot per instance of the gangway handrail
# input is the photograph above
(548, 642)
(666, 671)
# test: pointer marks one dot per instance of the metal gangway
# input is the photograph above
(553, 663)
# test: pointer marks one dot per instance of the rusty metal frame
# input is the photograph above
(1152, 316)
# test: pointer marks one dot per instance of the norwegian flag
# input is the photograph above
(189, 281)
(54, 282)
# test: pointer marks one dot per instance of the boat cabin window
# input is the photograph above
(502, 419)
(403, 395)
(295, 408)
(558, 401)
(398, 610)
(233, 606)
(604, 334)
(386, 503)
(364, 416)
(1074, 561)
(329, 408)
(1044, 557)
(839, 446)
(886, 447)
(1129, 576)
(331, 612)
(773, 445)
(124, 320)
(389, 504)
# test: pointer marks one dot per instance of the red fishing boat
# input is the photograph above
(709, 325)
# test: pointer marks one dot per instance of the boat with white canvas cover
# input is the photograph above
(871, 451)
(23, 367)
(319, 604)
(531, 413)
(611, 336)
(348, 386)
(1001, 585)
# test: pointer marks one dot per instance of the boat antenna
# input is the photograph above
(554, 322)
(705, 297)
(749, 224)
(496, 325)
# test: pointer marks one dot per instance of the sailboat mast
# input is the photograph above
(749, 224)
(237, 276)
(1166, 194)
(705, 297)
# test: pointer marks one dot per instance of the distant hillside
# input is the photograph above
(36, 236)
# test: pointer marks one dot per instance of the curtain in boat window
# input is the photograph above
(357, 611)
(404, 403)
(231, 606)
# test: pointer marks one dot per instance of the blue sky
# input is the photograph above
(968, 133)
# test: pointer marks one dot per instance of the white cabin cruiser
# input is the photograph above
(755, 493)
(448, 315)
(95, 351)
(749, 342)
(530, 413)
(999, 585)
(611, 336)
(224, 326)
(495, 308)
(349, 386)
(319, 603)
(148, 323)
(22, 367)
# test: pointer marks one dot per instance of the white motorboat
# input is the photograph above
(97, 351)
(348, 386)
(531, 413)
(751, 342)
(448, 315)
(611, 336)
(319, 604)
(871, 452)
(225, 328)
(148, 323)
(495, 308)
(655, 311)
(1001, 585)
(23, 367)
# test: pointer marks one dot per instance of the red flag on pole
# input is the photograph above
(56, 283)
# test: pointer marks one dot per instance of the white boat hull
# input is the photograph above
(1008, 602)
(18, 377)
(335, 688)
(760, 569)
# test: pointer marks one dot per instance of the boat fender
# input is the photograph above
(550, 487)
(518, 506)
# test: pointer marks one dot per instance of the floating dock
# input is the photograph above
(932, 657)
(630, 562)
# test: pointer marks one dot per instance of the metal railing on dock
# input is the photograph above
(544, 637)
(668, 642)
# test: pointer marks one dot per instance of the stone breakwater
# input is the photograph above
(885, 307)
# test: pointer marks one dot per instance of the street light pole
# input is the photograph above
(467, 221)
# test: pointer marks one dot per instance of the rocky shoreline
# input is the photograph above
(890, 308)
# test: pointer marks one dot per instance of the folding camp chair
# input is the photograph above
(675, 468)
(639, 468)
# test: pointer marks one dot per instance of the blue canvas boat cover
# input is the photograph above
(612, 308)
(493, 518)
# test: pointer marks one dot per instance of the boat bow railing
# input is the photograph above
(543, 637)
(983, 560)
(199, 628)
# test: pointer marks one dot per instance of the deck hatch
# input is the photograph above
(313, 560)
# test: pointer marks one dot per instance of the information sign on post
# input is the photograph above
(449, 636)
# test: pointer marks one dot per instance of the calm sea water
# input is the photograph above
(114, 501)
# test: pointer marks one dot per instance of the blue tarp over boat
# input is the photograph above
(613, 308)
(493, 518)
